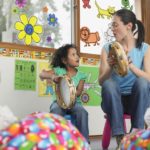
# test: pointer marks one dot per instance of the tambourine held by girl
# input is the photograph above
(65, 92)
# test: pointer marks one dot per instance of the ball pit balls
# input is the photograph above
(138, 140)
(42, 131)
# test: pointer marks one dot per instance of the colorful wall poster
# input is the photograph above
(25, 75)
(91, 95)
(45, 87)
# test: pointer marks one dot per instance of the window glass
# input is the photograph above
(45, 23)
(95, 23)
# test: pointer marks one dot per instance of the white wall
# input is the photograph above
(21, 102)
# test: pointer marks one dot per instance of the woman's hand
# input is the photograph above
(129, 60)
(111, 60)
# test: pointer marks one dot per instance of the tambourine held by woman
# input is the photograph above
(65, 92)
(121, 65)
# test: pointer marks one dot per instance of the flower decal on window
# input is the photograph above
(49, 39)
(21, 3)
(45, 9)
(52, 19)
(28, 29)
(15, 10)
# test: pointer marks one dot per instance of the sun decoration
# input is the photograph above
(28, 29)
(52, 19)
(21, 3)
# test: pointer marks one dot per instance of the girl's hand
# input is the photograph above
(42, 74)
(49, 75)
(56, 79)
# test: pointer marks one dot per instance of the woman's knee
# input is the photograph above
(109, 85)
(141, 84)
(109, 89)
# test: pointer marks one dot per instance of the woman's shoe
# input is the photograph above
(118, 140)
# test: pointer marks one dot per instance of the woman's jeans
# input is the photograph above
(115, 105)
(78, 112)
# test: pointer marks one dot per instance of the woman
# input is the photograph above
(129, 94)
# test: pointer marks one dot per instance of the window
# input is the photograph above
(45, 23)
(94, 26)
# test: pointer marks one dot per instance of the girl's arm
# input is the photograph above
(46, 74)
(49, 74)
(140, 73)
(105, 67)
(80, 88)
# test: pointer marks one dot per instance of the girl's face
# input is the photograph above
(119, 29)
(73, 58)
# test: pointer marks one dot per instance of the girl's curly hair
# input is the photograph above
(60, 54)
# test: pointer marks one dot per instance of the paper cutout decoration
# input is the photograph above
(45, 87)
(45, 9)
(126, 4)
(66, 5)
(87, 37)
(28, 29)
(105, 12)
(92, 89)
(109, 36)
(25, 54)
(89, 61)
(84, 97)
(52, 19)
(25, 75)
(86, 4)
(15, 10)
(21, 3)
(49, 39)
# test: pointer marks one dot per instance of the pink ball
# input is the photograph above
(139, 139)
(42, 131)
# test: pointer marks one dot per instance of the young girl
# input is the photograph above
(64, 62)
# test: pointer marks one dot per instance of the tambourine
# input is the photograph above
(65, 92)
(121, 65)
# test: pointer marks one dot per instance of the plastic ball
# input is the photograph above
(138, 140)
(42, 131)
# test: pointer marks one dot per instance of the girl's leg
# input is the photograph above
(56, 109)
(81, 116)
(140, 99)
(112, 106)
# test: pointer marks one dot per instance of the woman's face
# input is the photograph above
(119, 29)
(73, 58)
